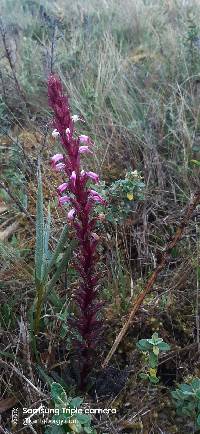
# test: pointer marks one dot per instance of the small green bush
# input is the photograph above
(187, 400)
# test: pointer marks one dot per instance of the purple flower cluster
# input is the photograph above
(77, 193)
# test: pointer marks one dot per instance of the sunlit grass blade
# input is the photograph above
(39, 250)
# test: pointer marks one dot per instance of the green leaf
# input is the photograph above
(143, 345)
(155, 340)
(6, 314)
(39, 250)
(179, 411)
(154, 380)
(196, 384)
(62, 265)
(55, 429)
(198, 420)
(58, 394)
(46, 253)
(163, 346)
(177, 395)
(44, 376)
(55, 299)
(63, 331)
(153, 360)
(143, 376)
(83, 418)
(186, 389)
(64, 416)
(155, 350)
(153, 372)
(11, 356)
(59, 248)
(191, 406)
(63, 315)
(47, 233)
(88, 429)
(76, 427)
(196, 162)
(75, 402)
(186, 411)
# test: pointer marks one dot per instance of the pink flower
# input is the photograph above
(95, 236)
(71, 214)
(64, 199)
(55, 133)
(75, 118)
(96, 197)
(93, 176)
(56, 158)
(62, 187)
(73, 177)
(84, 139)
(84, 150)
(68, 133)
(59, 167)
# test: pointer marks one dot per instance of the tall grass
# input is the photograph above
(132, 69)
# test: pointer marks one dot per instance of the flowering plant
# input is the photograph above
(152, 348)
(68, 415)
(76, 192)
(122, 195)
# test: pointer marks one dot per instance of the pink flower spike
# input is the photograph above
(73, 177)
(97, 197)
(84, 139)
(71, 214)
(62, 187)
(64, 199)
(56, 158)
(59, 167)
(85, 150)
(93, 176)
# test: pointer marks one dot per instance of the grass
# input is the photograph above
(132, 72)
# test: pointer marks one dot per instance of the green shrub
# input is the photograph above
(187, 400)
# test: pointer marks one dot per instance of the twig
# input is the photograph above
(4, 235)
(39, 392)
(30, 167)
(4, 432)
(32, 429)
(9, 57)
(16, 201)
(150, 282)
(173, 353)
